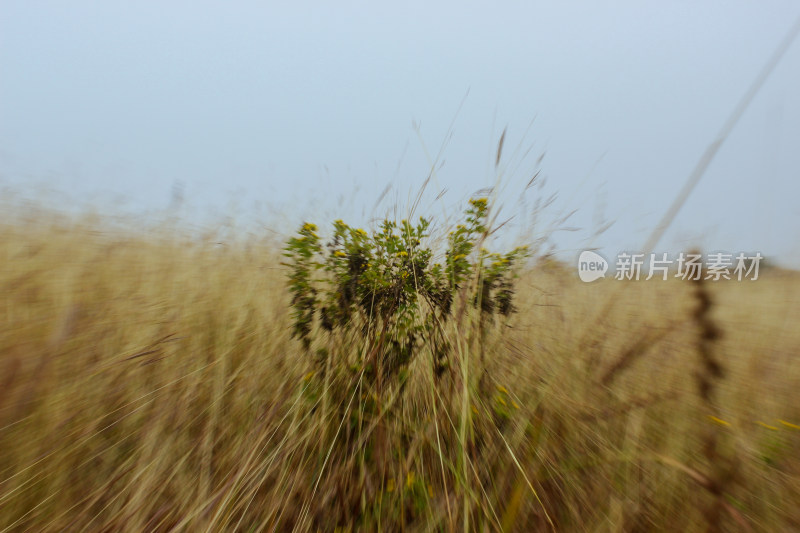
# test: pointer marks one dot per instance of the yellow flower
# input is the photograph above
(308, 376)
(402, 253)
(361, 232)
(502, 389)
(718, 420)
(515, 404)
(479, 202)
(308, 226)
(339, 253)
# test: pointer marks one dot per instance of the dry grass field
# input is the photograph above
(148, 382)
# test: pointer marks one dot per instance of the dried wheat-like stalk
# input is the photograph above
(708, 376)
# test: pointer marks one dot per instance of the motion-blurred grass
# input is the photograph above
(148, 383)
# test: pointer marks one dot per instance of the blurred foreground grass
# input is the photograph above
(148, 383)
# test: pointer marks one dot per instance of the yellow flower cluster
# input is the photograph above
(479, 202)
(502, 392)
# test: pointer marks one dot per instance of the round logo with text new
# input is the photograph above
(591, 266)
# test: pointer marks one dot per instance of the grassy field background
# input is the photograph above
(148, 382)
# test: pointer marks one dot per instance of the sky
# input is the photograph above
(280, 112)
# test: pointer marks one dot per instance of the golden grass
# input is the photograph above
(148, 383)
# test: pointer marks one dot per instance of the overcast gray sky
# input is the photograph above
(305, 110)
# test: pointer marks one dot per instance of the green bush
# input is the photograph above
(386, 289)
